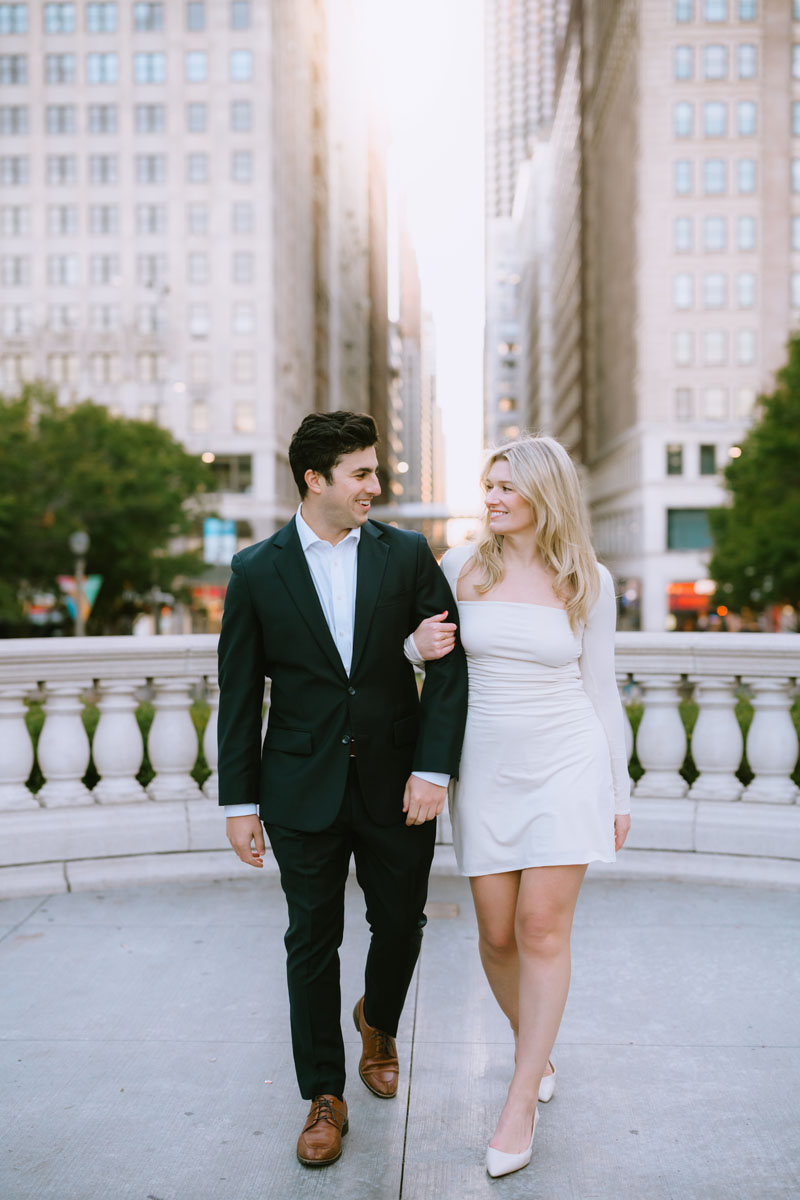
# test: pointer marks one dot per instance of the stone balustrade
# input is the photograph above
(65, 835)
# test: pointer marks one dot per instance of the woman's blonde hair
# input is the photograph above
(544, 474)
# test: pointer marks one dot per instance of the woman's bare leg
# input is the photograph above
(495, 899)
(545, 908)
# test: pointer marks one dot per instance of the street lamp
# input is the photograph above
(79, 545)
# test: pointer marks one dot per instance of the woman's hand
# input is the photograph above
(622, 824)
(435, 637)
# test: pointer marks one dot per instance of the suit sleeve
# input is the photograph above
(242, 672)
(443, 703)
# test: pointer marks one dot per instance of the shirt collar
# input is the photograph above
(308, 537)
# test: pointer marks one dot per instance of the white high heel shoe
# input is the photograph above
(500, 1163)
(548, 1085)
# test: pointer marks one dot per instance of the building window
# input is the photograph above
(683, 173)
(747, 61)
(243, 264)
(151, 270)
(683, 291)
(15, 270)
(151, 368)
(149, 67)
(746, 118)
(684, 10)
(102, 118)
(103, 219)
(151, 218)
(62, 169)
(714, 233)
(684, 404)
(241, 166)
(199, 320)
(796, 174)
(674, 460)
(61, 318)
(16, 320)
(715, 62)
(233, 473)
(195, 16)
(243, 318)
(101, 68)
(150, 319)
(197, 268)
(14, 120)
(241, 116)
(745, 347)
(14, 170)
(683, 119)
(683, 62)
(715, 10)
(13, 18)
(196, 117)
(241, 66)
(148, 18)
(62, 270)
(199, 369)
(715, 118)
(59, 68)
(150, 118)
(104, 368)
(197, 218)
(746, 176)
(13, 68)
(58, 118)
(59, 18)
(745, 233)
(242, 218)
(683, 235)
(196, 66)
(62, 220)
(688, 529)
(796, 289)
(101, 18)
(197, 168)
(796, 233)
(715, 404)
(745, 401)
(102, 168)
(15, 220)
(103, 268)
(796, 118)
(708, 460)
(240, 14)
(151, 168)
(244, 416)
(198, 416)
(748, 10)
(715, 347)
(715, 290)
(243, 366)
(62, 368)
(683, 348)
(714, 176)
(746, 289)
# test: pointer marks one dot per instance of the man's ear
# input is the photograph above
(313, 481)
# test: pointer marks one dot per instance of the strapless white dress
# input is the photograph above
(543, 767)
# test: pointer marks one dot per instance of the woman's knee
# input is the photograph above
(498, 942)
(541, 932)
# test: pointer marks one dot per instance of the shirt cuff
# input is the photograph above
(411, 652)
(433, 777)
(241, 810)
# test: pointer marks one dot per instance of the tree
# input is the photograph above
(127, 483)
(756, 558)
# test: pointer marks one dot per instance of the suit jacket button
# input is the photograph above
(351, 691)
(346, 739)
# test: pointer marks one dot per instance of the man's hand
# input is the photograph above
(434, 637)
(422, 801)
(242, 832)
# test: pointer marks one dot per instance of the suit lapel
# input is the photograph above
(291, 565)
(373, 553)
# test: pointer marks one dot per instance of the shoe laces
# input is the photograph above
(382, 1043)
(324, 1110)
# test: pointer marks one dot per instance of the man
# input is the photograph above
(353, 761)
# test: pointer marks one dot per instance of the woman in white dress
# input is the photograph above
(543, 786)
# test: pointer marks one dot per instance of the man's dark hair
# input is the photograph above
(323, 438)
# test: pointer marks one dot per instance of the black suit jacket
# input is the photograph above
(274, 626)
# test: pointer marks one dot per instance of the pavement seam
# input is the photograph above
(28, 916)
(410, 1074)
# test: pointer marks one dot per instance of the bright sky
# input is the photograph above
(427, 69)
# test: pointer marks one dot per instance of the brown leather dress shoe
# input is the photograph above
(378, 1068)
(320, 1143)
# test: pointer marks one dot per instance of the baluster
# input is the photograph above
(771, 742)
(210, 748)
(661, 738)
(16, 752)
(64, 746)
(172, 742)
(622, 683)
(118, 747)
(717, 741)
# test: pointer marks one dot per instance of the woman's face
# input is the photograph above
(508, 511)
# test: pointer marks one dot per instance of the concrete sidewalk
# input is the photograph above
(145, 1051)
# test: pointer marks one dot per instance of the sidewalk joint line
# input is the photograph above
(19, 924)
(410, 1075)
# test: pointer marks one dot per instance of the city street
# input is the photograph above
(145, 1051)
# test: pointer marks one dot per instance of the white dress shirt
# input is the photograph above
(334, 570)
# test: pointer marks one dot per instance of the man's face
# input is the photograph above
(346, 501)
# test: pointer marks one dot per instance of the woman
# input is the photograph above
(543, 787)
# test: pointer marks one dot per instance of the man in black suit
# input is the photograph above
(353, 762)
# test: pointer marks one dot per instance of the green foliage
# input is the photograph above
(756, 559)
(125, 482)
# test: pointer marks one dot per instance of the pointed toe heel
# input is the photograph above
(547, 1087)
(499, 1163)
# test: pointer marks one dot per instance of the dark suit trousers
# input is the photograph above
(392, 867)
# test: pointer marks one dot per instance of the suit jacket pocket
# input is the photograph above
(289, 741)
(405, 731)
